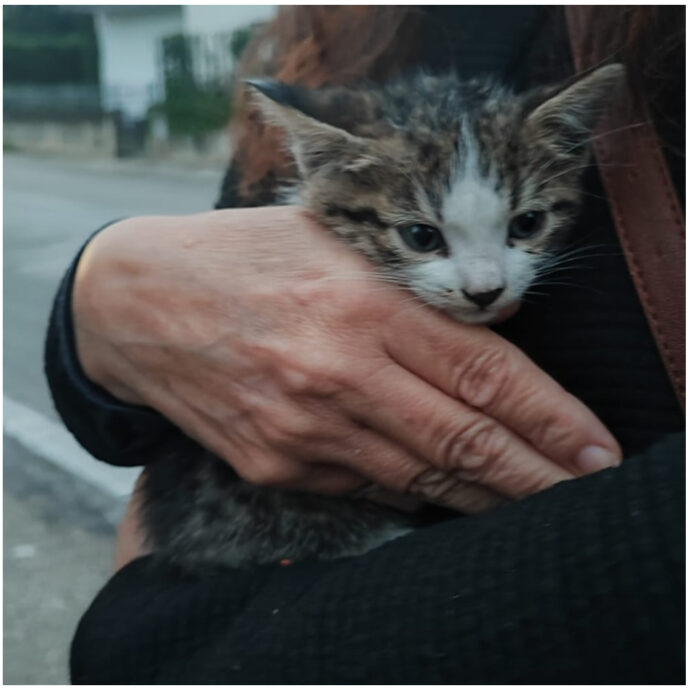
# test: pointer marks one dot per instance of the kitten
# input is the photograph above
(458, 190)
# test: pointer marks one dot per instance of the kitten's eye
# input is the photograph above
(526, 225)
(422, 238)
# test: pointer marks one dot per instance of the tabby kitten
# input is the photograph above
(458, 190)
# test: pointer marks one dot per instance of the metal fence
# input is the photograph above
(189, 96)
(204, 61)
(52, 101)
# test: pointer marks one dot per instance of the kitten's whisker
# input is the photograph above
(582, 192)
(583, 167)
(581, 257)
(581, 243)
(608, 133)
(576, 286)
(569, 261)
(558, 271)
(576, 258)
(362, 276)
(580, 251)
(580, 247)
(416, 307)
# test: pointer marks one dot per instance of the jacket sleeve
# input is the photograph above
(109, 429)
(583, 583)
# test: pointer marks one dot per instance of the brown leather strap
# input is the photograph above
(649, 220)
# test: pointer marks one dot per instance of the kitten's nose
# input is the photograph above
(483, 299)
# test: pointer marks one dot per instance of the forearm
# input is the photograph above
(106, 426)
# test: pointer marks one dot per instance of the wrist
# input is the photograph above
(94, 277)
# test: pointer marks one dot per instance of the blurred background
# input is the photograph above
(109, 111)
(123, 80)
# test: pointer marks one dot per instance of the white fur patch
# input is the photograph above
(475, 217)
(473, 211)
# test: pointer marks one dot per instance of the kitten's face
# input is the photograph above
(465, 225)
(457, 191)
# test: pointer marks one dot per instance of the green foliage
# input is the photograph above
(193, 109)
(44, 44)
(177, 56)
(45, 20)
(239, 40)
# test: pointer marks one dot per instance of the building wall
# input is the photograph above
(96, 138)
(128, 39)
(209, 19)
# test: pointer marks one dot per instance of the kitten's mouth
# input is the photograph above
(484, 316)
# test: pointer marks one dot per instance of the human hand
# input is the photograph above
(278, 348)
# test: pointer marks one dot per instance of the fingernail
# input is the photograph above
(595, 458)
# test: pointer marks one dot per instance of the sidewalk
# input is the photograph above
(60, 504)
(57, 555)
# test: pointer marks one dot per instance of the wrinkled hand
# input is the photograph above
(276, 347)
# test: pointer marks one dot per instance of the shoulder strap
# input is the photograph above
(648, 217)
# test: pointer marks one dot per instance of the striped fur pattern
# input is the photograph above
(466, 159)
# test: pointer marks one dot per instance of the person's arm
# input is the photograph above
(583, 583)
(110, 429)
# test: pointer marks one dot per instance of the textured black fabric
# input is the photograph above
(583, 583)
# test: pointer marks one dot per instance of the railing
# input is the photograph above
(52, 101)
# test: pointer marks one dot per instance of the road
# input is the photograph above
(59, 505)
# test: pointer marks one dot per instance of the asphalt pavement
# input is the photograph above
(60, 506)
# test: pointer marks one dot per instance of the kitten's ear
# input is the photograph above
(569, 113)
(304, 116)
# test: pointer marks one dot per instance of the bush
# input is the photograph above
(46, 45)
(192, 109)
(239, 40)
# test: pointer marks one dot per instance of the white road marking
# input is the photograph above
(52, 442)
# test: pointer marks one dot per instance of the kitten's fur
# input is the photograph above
(487, 178)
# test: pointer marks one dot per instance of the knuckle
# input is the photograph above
(473, 450)
(453, 492)
(482, 377)
(265, 471)
(289, 430)
(276, 433)
(549, 432)
(317, 377)
(433, 485)
(256, 472)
